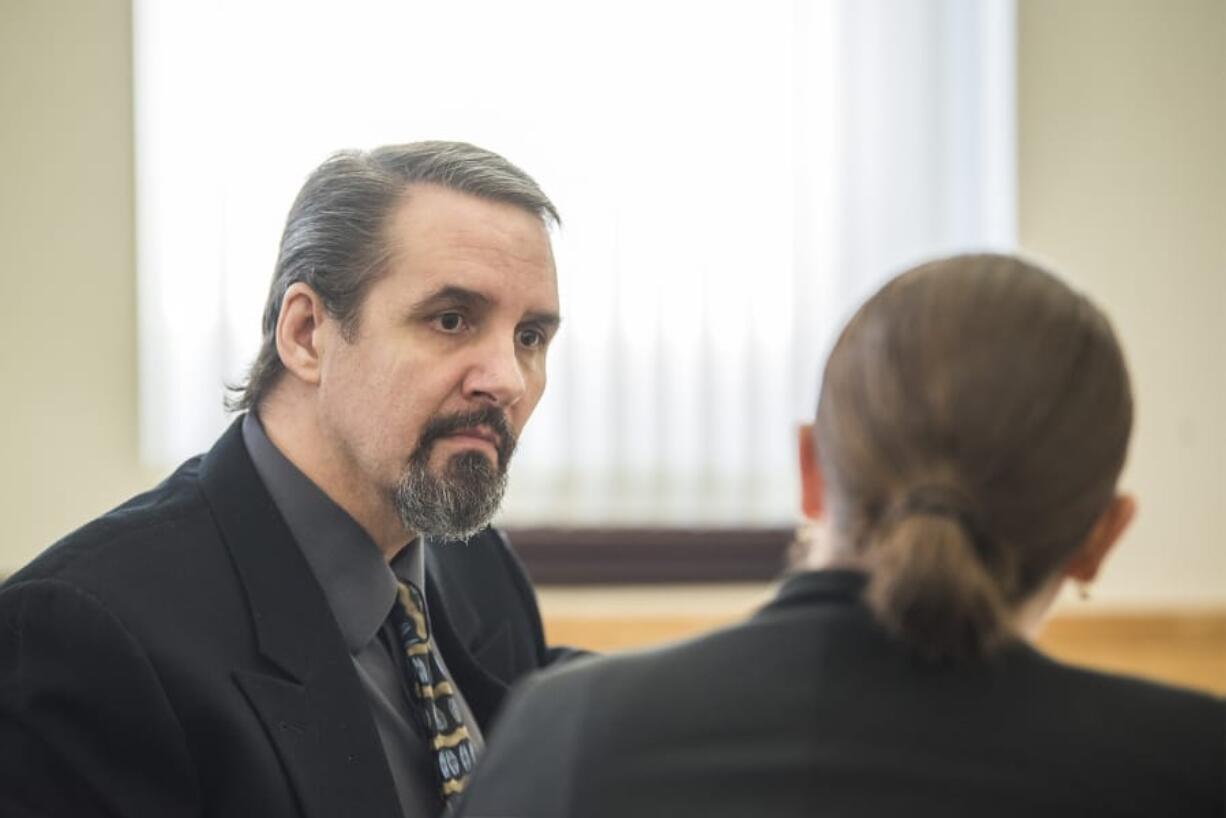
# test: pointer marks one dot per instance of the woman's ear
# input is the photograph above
(1111, 525)
(812, 487)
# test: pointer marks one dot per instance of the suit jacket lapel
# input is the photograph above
(311, 703)
(482, 690)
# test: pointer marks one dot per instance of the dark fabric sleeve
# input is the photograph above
(532, 767)
(85, 726)
(558, 654)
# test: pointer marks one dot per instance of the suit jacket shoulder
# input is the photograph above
(811, 708)
(178, 655)
(182, 632)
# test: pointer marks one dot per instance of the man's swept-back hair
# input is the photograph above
(973, 421)
(334, 239)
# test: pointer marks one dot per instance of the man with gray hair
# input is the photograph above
(282, 627)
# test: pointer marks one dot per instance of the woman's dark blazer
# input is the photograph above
(810, 709)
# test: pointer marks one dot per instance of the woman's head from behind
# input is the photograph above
(973, 421)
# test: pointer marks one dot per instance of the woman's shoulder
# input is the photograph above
(1116, 688)
(1136, 702)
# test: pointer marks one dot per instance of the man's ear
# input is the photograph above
(1111, 524)
(299, 337)
(812, 486)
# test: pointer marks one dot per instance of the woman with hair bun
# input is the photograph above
(973, 422)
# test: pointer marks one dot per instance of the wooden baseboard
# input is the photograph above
(1177, 648)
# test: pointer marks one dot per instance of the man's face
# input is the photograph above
(424, 404)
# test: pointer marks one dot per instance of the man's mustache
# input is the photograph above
(441, 426)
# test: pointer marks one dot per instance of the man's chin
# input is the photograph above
(444, 463)
(452, 500)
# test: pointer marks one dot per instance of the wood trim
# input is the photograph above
(1180, 648)
(603, 556)
(1187, 649)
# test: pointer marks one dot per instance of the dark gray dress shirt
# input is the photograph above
(360, 587)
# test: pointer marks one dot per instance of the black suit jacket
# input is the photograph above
(809, 709)
(177, 657)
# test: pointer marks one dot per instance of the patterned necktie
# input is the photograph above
(433, 694)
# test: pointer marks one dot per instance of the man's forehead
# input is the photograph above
(443, 225)
(434, 207)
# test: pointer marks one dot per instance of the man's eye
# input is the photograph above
(450, 322)
(531, 338)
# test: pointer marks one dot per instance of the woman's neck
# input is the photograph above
(821, 548)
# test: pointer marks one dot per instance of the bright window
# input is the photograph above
(733, 177)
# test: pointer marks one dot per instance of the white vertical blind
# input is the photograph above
(733, 176)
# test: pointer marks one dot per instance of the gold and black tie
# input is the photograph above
(433, 695)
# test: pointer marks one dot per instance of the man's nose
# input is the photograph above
(496, 377)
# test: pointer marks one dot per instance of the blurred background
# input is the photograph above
(733, 178)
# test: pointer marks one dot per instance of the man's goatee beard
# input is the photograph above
(463, 499)
(454, 506)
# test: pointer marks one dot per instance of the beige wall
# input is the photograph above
(68, 338)
(1123, 184)
(1122, 165)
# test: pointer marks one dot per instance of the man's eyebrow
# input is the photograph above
(454, 295)
(451, 295)
(549, 320)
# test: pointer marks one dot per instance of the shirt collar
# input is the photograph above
(410, 565)
(358, 583)
(829, 585)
